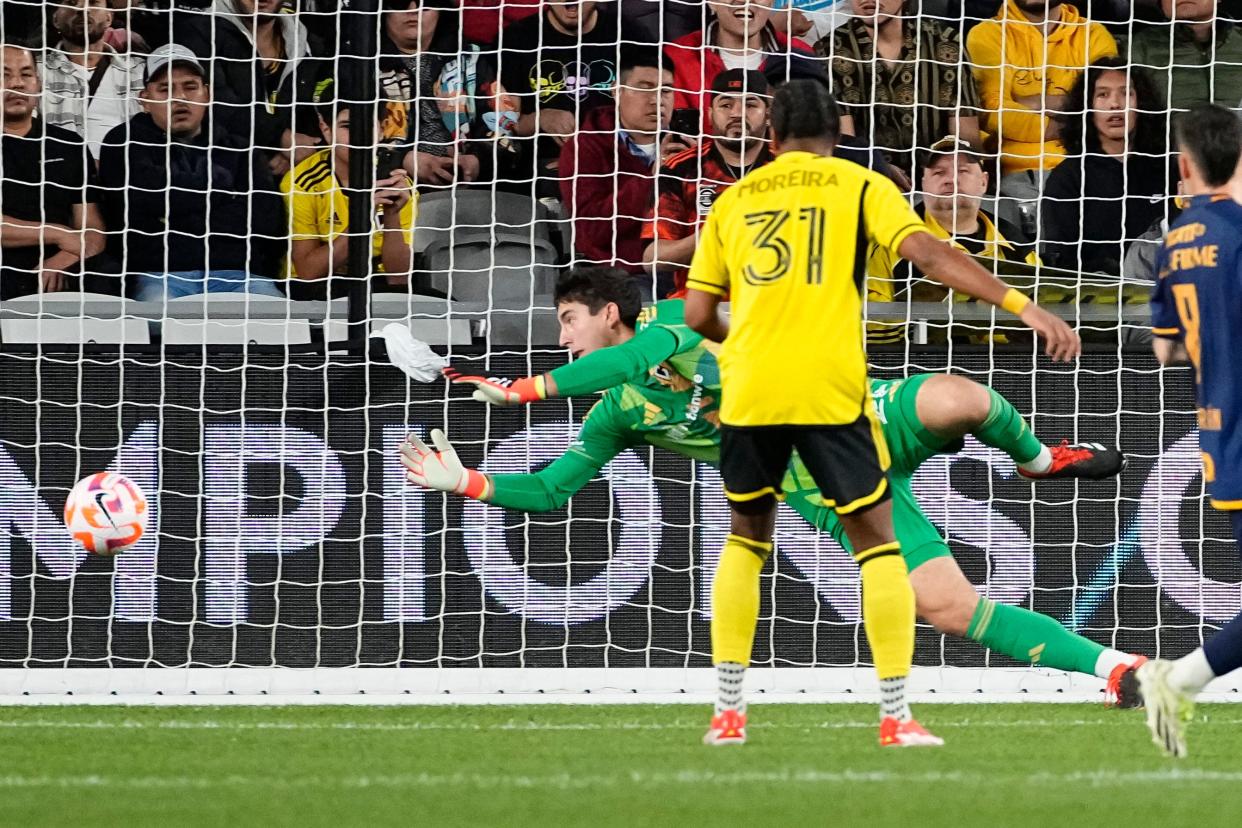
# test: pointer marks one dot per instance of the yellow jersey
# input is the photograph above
(319, 209)
(788, 244)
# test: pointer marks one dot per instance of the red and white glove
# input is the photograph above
(440, 469)
(499, 390)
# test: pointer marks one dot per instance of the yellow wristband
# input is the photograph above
(1015, 301)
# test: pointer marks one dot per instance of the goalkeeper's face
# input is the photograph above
(583, 332)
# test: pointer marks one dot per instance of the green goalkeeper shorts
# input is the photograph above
(909, 445)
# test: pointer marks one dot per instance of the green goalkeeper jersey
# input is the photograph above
(663, 389)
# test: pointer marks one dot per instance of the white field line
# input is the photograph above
(535, 727)
(627, 779)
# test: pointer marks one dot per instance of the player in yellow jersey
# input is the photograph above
(787, 244)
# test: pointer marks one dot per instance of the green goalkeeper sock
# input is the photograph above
(1005, 429)
(1032, 637)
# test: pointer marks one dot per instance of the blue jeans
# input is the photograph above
(155, 287)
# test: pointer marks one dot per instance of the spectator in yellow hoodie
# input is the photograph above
(1026, 60)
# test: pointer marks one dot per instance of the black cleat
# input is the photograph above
(1091, 461)
(1123, 687)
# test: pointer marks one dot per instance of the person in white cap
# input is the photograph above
(197, 204)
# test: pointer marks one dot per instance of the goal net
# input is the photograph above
(285, 550)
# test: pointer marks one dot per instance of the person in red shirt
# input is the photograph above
(607, 169)
(689, 182)
(739, 36)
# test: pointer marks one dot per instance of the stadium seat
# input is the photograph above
(81, 330)
(70, 318)
(505, 273)
(236, 332)
(448, 213)
(233, 319)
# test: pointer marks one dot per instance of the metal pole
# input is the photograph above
(360, 87)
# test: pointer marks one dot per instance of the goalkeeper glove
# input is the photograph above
(440, 469)
(500, 391)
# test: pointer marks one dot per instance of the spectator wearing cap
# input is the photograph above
(900, 80)
(263, 66)
(608, 168)
(319, 210)
(51, 222)
(740, 35)
(1195, 56)
(195, 203)
(88, 86)
(1118, 177)
(1025, 61)
(689, 182)
(953, 183)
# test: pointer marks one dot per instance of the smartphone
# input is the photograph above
(686, 122)
(388, 158)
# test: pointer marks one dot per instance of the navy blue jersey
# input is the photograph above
(1198, 301)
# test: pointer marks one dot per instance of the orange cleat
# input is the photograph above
(1122, 688)
(728, 728)
(895, 733)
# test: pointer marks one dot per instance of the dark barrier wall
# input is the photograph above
(282, 533)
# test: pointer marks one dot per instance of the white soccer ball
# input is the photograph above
(106, 513)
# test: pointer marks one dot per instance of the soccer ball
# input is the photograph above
(106, 513)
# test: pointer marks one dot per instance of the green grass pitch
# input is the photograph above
(1030, 764)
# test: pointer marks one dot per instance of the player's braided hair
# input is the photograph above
(1212, 136)
(596, 286)
(804, 108)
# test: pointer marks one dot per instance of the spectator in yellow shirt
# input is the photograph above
(1026, 60)
(953, 183)
(319, 213)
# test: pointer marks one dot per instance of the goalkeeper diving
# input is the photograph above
(661, 387)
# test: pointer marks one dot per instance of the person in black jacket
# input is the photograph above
(264, 66)
(1116, 178)
(51, 227)
(198, 206)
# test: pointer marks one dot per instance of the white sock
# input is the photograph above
(893, 699)
(1191, 673)
(1040, 463)
(729, 676)
(1110, 659)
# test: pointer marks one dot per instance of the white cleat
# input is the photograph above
(1168, 709)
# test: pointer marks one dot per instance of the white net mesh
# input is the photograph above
(177, 283)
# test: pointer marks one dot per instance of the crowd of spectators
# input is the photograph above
(162, 149)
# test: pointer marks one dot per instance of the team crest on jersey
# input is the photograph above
(707, 197)
(665, 375)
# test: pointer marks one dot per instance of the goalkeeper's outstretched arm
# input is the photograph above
(603, 436)
(953, 268)
(597, 371)
(438, 467)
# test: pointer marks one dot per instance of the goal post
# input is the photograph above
(287, 559)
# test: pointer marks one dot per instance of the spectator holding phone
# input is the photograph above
(608, 168)
(319, 211)
(690, 181)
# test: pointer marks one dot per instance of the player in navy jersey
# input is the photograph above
(1196, 312)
